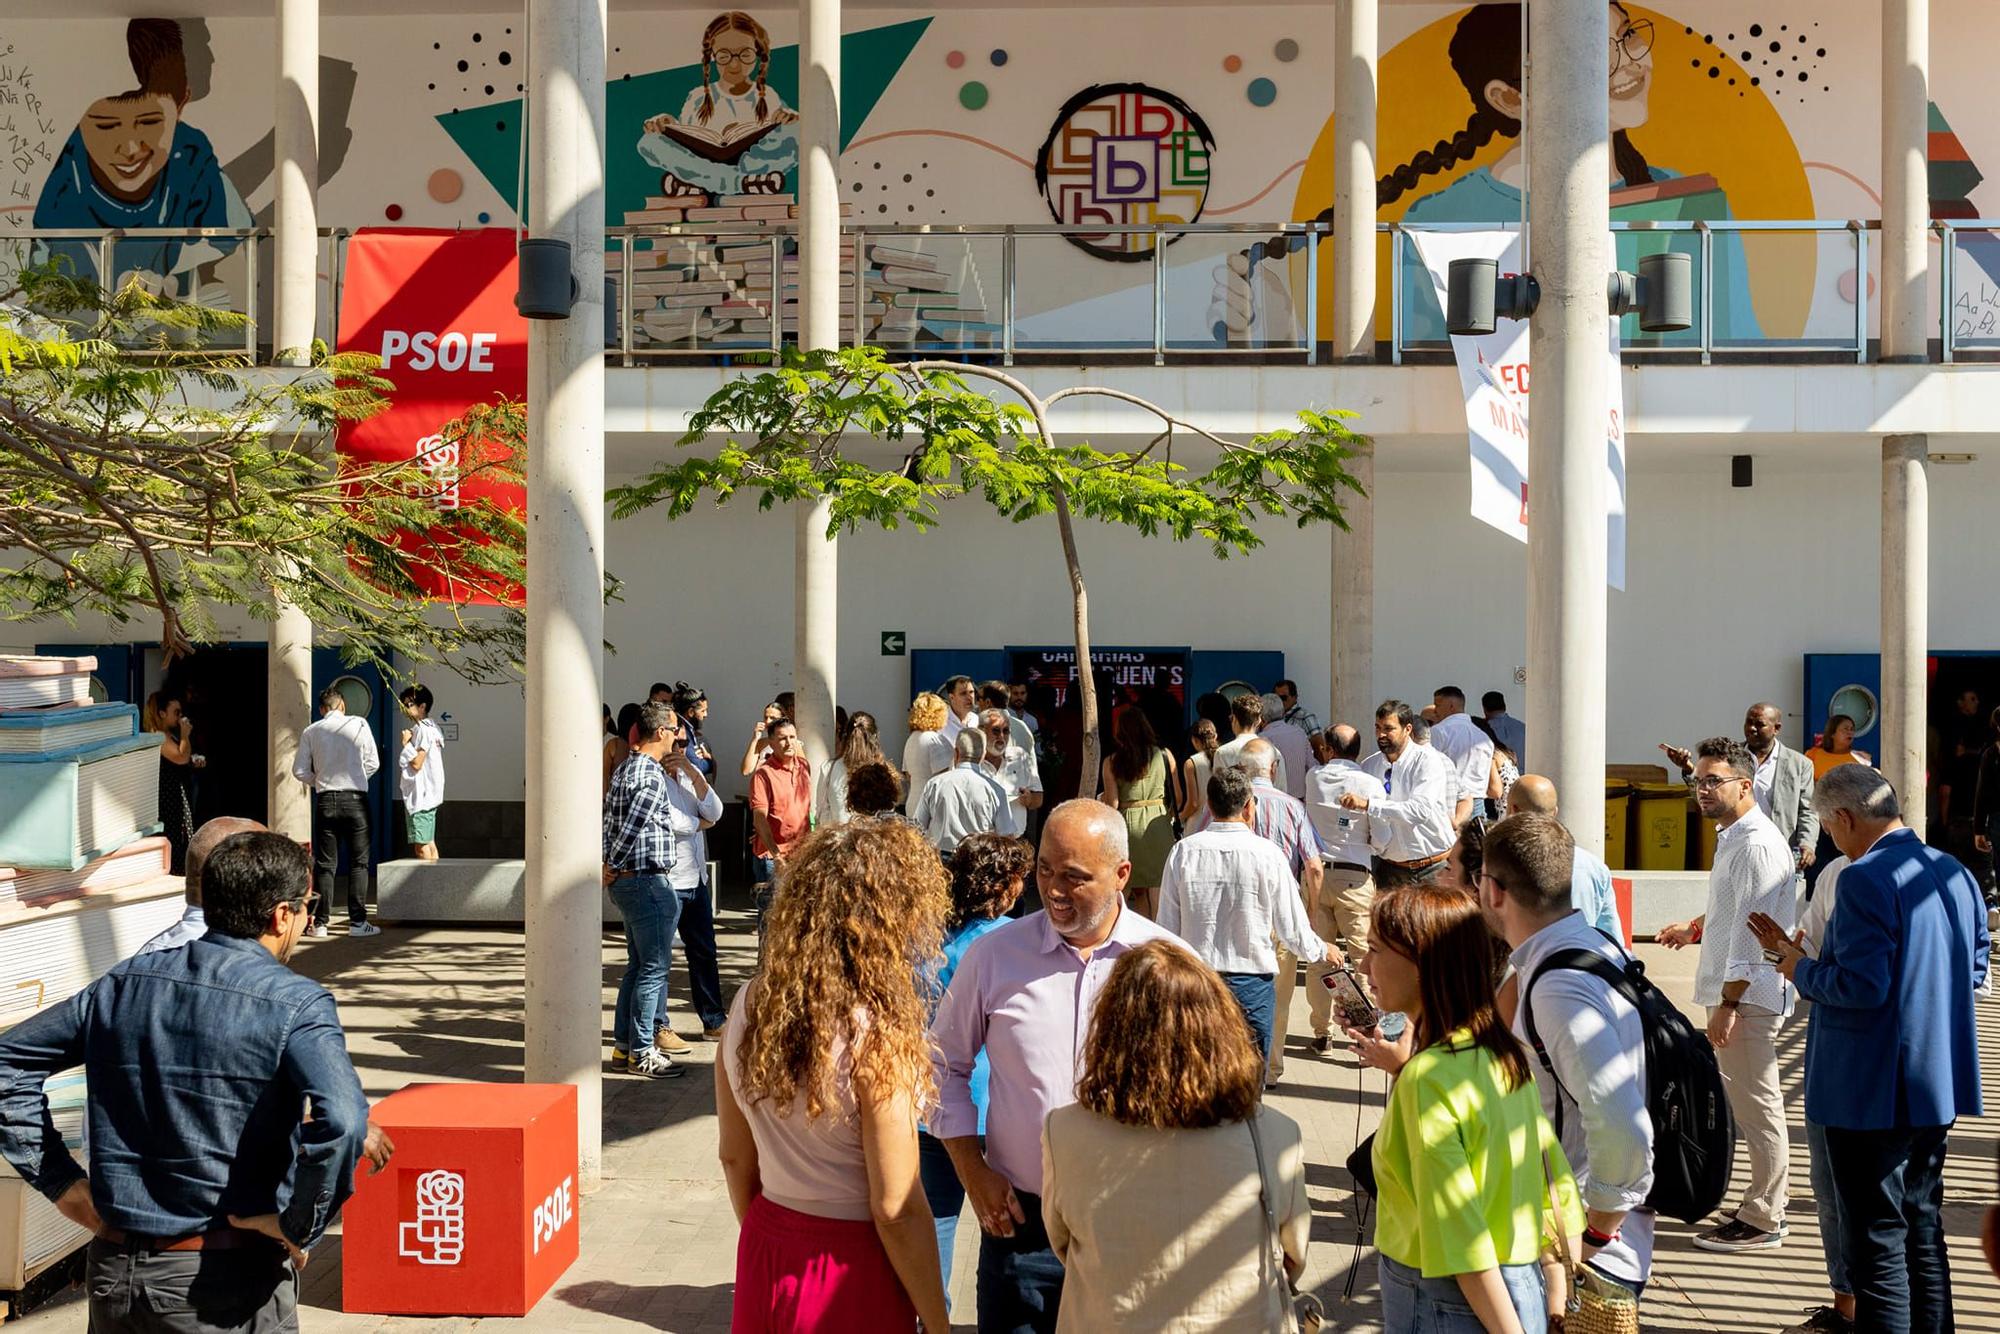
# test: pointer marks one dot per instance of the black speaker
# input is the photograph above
(547, 288)
(1739, 470)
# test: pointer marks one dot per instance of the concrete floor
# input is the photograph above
(659, 1236)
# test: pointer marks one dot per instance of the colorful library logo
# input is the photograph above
(1125, 155)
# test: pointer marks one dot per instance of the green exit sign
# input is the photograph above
(894, 643)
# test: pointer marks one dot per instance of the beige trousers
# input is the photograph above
(1341, 920)
(1750, 1078)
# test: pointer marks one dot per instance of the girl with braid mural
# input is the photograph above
(1485, 56)
(734, 135)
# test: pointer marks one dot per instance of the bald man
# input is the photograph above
(1784, 783)
(1590, 890)
(193, 926)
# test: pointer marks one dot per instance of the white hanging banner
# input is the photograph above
(1493, 374)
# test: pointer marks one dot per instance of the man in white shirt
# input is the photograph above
(193, 924)
(1013, 769)
(1513, 733)
(1470, 750)
(1593, 1087)
(1246, 720)
(963, 800)
(693, 807)
(1746, 997)
(336, 758)
(1227, 893)
(1347, 893)
(1017, 707)
(1291, 743)
(1410, 829)
(961, 707)
(1281, 818)
(993, 695)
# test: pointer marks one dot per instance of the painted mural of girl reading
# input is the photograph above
(1485, 55)
(734, 135)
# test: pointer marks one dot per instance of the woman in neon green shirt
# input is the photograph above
(1459, 1158)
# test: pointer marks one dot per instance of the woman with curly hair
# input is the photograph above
(823, 1072)
(1164, 1182)
(988, 872)
(926, 754)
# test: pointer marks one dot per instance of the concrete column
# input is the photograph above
(1570, 223)
(1906, 587)
(1906, 45)
(1354, 56)
(816, 582)
(295, 302)
(1905, 337)
(565, 104)
(1353, 656)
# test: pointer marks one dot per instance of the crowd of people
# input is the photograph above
(1090, 1076)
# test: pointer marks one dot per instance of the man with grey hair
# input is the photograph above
(193, 925)
(1746, 998)
(1293, 745)
(1024, 994)
(1011, 766)
(1282, 819)
(1893, 1057)
(1229, 894)
(962, 801)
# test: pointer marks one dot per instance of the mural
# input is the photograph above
(1125, 155)
(133, 161)
(734, 134)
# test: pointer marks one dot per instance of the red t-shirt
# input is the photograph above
(782, 790)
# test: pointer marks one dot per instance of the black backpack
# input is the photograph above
(1694, 1137)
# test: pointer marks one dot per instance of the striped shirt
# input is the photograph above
(1282, 818)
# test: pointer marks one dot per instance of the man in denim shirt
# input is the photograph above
(205, 1190)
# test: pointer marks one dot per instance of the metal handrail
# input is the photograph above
(624, 241)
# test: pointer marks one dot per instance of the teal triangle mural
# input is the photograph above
(490, 136)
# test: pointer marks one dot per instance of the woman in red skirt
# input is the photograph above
(824, 1068)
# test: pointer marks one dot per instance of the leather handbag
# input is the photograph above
(1304, 1314)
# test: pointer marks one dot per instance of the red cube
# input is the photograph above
(476, 1213)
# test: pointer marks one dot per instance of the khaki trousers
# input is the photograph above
(1342, 920)
(1749, 1067)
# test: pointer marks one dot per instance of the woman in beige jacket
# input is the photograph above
(1169, 1214)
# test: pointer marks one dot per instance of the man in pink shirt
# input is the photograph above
(1025, 993)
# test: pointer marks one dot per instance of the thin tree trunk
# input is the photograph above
(1086, 678)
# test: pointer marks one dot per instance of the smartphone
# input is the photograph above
(1350, 998)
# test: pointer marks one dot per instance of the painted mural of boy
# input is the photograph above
(734, 135)
(133, 162)
(420, 771)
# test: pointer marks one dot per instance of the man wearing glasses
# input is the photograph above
(199, 1058)
(1012, 767)
(1747, 999)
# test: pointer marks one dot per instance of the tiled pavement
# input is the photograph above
(659, 1237)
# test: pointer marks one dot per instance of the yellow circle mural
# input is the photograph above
(1714, 144)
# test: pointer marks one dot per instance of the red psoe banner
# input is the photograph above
(438, 308)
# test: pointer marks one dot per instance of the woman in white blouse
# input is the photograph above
(926, 754)
(860, 744)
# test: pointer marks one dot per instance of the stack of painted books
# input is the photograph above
(83, 883)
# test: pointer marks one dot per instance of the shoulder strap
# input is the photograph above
(1580, 960)
(1273, 1247)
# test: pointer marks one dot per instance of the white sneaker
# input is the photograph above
(364, 929)
(317, 931)
(656, 1064)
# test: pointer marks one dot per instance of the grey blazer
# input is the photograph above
(1791, 797)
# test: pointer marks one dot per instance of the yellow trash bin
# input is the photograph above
(1617, 817)
(1659, 827)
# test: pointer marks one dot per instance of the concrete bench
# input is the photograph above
(463, 889)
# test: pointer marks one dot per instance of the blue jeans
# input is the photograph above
(1413, 1304)
(650, 908)
(946, 1196)
(1827, 1201)
(697, 931)
(1020, 1279)
(1891, 1185)
(1257, 993)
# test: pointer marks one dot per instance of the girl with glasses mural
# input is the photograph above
(734, 135)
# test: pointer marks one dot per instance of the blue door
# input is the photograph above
(368, 696)
(1849, 683)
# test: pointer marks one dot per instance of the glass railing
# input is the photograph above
(1202, 293)
(1969, 281)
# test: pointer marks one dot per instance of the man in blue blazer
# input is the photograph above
(1892, 1057)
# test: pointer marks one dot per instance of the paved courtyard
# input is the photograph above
(659, 1237)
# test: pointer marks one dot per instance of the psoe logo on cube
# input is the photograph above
(437, 1235)
(553, 1214)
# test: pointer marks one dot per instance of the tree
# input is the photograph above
(138, 476)
(957, 441)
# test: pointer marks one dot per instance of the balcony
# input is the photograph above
(1789, 292)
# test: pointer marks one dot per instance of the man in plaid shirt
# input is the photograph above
(638, 856)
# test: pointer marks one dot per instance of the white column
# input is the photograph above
(1354, 58)
(1353, 656)
(1905, 337)
(816, 581)
(1569, 218)
(295, 228)
(566, 567)
(1906, 587)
